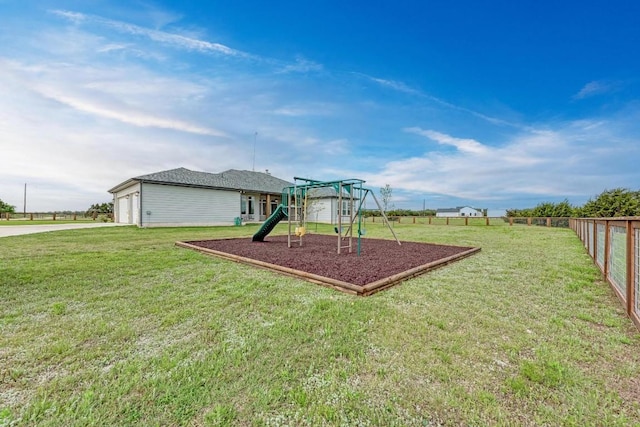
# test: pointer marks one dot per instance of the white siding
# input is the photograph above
(467, 211)
(463, 211)
(449, 214)
(168, 205)
(326, 210)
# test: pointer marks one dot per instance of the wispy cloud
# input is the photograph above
(462, 144)
(302, 65)
(595, 88)
(404, 88)
(397, 86)
(126, 115)
(187, 42)
(159, 36)
(89, 93)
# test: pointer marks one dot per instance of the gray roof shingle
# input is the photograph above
(231, 179)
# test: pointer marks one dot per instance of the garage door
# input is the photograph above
(123, 210)
(135, 209)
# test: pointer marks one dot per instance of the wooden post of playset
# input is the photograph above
(339, 219)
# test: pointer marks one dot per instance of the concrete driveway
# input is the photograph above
(17, 230)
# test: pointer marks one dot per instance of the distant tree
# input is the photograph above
(545, 209)
(100, 208)
(556, 210)
(6, 208)
(385, 195)
(519, 213)
(612, 203)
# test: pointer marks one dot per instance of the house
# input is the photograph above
(182, 197)
(459, 211)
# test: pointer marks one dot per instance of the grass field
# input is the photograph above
(117, 326)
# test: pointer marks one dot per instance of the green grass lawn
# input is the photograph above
(117, 326)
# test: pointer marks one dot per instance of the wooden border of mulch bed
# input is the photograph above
(350, 288)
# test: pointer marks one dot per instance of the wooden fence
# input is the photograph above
(477, 220)
(51, 216)
(614, 245)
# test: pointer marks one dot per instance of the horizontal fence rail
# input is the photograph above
(53, 216)
(614, 245)
(475, 220)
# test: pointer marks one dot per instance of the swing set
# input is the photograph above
(351, 199)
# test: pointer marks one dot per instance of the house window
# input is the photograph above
(247, 205)
(346, 208)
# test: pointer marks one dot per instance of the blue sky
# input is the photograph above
(493, 104)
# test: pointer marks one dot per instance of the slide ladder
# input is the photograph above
(278, 215)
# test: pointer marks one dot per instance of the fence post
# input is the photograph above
(510, 220)
(466, 220)
(486, 219)
(447, 220)
(54, 216)
(429, 219)
(414, 219)
(529, 221)
(605, 259)
(548, 222)
(630, 265)
(594, 236)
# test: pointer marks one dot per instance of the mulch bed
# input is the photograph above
(381, 263)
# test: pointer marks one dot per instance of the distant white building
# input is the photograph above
(460, 211)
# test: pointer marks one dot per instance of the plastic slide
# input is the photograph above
(277, 215)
